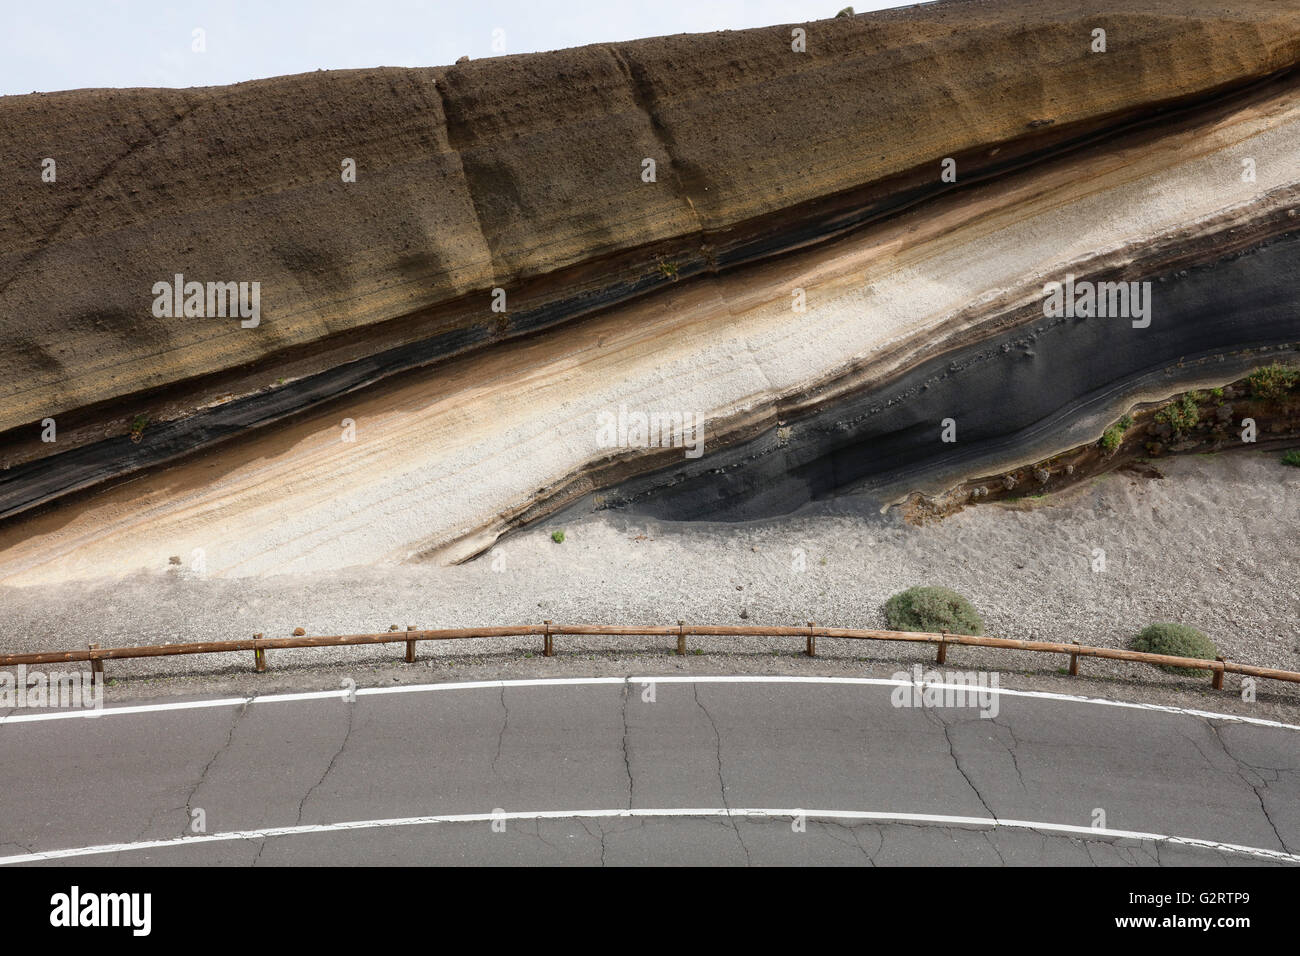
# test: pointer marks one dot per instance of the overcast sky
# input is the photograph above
(80, 43)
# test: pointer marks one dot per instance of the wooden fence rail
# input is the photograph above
(548, 631)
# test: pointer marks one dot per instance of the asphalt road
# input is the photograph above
(681, 771)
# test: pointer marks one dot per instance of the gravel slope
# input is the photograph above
(1213, 544)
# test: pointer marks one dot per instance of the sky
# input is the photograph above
(123, 43)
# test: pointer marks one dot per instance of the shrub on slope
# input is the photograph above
(932, 609)
(1178, 640)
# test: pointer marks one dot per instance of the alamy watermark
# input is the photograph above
(213, 300)
(1085, 298)
(978, 689)
(636, 429)
(33, 688)
(74, 908)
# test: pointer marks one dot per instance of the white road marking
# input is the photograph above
(14, 717)
(919, 819)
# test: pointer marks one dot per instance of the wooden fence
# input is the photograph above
(548, 631)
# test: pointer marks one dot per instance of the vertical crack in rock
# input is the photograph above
(722, 786)
(646, 99)
(455, 142)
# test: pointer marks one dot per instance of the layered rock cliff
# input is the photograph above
(803, 272)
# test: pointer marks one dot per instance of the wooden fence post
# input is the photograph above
(1218, 675)
(1074, 661)
(548, 649)
(259, 656)
(811, 648)
(681, 637)
(410, 647)
(96, 666)
(942, 655)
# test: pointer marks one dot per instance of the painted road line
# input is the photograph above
(912, 819)
(87, 713)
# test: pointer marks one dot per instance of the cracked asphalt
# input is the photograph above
(687, 744)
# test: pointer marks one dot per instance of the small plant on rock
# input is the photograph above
(1181, 416)
(1111, 438)
(668, 269)
(1273, 381)
(137, 427)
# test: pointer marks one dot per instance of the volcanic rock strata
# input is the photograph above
(799, 276)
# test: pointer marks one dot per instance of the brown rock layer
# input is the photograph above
(525, 173)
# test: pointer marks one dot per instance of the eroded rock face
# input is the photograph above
(528, 174)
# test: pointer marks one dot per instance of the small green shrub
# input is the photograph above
(932, 609)
(1181, 416)
(1178, 640)
(1111, 438)
(557, 537)
(1273, 381)
(1292, 457)
(668, 269)
(137, 427)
